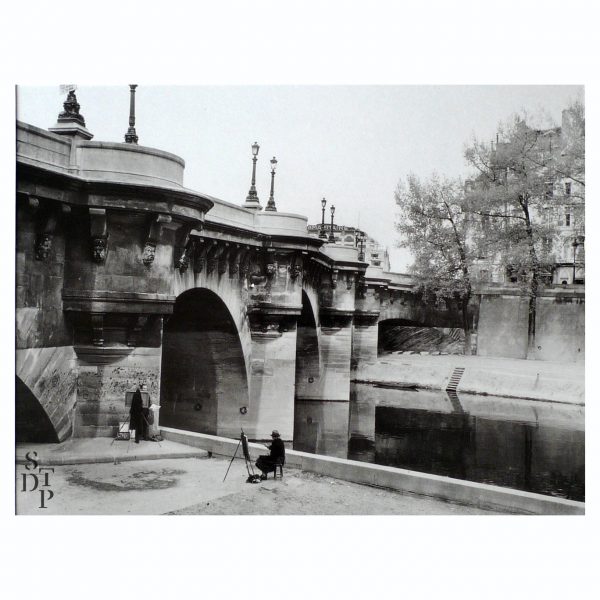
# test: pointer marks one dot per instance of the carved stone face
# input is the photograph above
(271, 269)
(99, 250)
(148, 254)
(43, 247)
(183, 263)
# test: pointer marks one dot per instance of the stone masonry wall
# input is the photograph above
(502, 327)
(560, 329)
(101, 389)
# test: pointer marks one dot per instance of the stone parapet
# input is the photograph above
(454, 490)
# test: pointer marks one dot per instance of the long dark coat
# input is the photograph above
(136, 413)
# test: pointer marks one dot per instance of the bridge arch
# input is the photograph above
(408, 335)
(32, 424)
(204, 384)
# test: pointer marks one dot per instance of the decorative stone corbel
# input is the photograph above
(152, 238)
(349, 280)
(184, 260)
(213, 257)
(203, 247)
(380, 294)
(361, 288)
(182, 256)
(99, 234)
(235, 258)
(270, 270)
(295, 267)
(46, 226)
(43, 245)
(334, 278)
(224, 259)
(245, 262)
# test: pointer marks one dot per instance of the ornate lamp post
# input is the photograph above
(578, 241)
(131, 136)
(252, 197)
(331, 239)
(361, 241)
(271, 203)
(322, 233)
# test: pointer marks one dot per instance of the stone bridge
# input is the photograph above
(228, 314)
(232, 317)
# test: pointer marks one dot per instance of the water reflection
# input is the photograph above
(533, 446)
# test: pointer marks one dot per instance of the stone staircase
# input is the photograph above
(455, 379)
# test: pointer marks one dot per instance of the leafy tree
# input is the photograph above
(434, 226)
(517, 181)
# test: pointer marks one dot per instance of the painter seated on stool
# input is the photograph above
(268, 463)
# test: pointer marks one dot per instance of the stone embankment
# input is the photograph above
(477, 495)
(530, 379)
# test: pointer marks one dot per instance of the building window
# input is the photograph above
(567, 220)
(568, 188)
(549, 189)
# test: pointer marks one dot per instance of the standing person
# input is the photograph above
(276, 456)
(136, 415)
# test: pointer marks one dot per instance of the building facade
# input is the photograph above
(375, 253)
(558, 211)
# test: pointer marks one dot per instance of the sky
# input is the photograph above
(349, 144)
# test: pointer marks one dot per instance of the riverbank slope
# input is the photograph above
(532, 379)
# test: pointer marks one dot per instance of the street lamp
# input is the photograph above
(131, 136)
(331, 239)
(361, 241)
(271, 203)
(576, 243)
(322, 233)
(252, 197)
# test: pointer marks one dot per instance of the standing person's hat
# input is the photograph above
(275, 433)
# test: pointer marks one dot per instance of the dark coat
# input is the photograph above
(276, 456)
(136, 412)
(136, 404)
(277, 450)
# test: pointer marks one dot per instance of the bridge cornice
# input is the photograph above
(67, 188)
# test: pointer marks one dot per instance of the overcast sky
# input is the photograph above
(350, 144)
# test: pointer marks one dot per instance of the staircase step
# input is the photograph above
(454, 379)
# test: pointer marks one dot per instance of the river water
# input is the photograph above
(511, 442)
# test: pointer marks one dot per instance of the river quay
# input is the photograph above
(530, 379)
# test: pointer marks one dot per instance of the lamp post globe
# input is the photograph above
(331, 239)
(271, 203)
(322, 233)
(252, 200)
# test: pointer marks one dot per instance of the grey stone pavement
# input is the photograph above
(194, 485)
